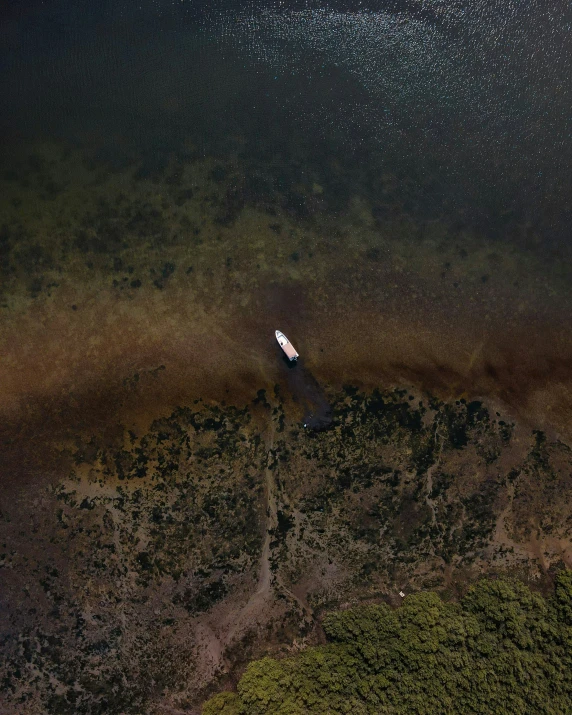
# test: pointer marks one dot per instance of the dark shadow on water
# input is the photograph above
(306, 391)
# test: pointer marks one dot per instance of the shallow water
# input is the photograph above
(389, 185)
(383, 183)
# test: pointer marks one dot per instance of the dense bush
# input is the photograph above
(502, 650)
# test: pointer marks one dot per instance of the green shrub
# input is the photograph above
(502, 650)
(223, 704)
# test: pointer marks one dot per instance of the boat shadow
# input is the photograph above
(306, 390)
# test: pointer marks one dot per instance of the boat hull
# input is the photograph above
(286, 346)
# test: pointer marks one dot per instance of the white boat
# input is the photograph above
(287, 346)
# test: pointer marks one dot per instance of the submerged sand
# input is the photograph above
(109, 277)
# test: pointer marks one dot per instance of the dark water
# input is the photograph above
(467, 104)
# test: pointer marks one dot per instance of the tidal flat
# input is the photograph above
(165, 515)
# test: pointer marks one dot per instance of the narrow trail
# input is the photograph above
(253, 611)
(267, 581)
(429, 477)
(265, 577)
(260, 603)
(271, 528)
(260, 607)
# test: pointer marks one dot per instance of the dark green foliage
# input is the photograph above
(564, 596)
(502, 650)
(223, 704)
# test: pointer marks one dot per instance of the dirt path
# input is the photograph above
(265, 577)
(253, 611)
(429, 478)
(259, 609)
(215, 638)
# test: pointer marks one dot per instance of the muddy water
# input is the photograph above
(89, 353)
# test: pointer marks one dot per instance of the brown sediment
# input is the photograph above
(130, 360)
(364, 302)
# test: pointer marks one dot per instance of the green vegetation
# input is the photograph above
(158, 529)
(503, 649)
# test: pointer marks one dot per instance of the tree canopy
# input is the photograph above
(502, 650)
